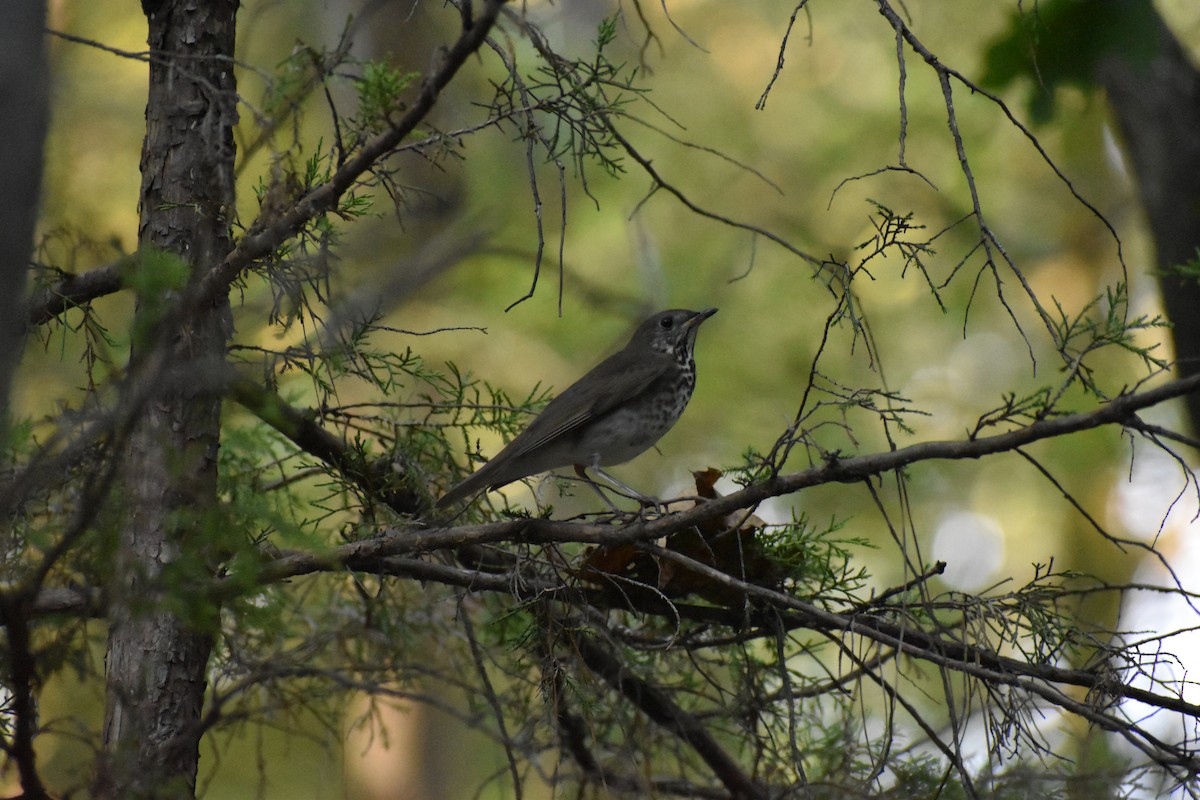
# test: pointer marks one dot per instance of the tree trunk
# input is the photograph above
(1156, 103)
(23, 111)
(157, 651)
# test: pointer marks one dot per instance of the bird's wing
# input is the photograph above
(620, 381)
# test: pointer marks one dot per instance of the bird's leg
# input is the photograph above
(581, 471)
(633, 494)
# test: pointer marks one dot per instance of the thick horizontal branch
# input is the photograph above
(1118, 411)
(423, 538)
(418, 538)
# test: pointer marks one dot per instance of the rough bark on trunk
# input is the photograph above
(157, 656)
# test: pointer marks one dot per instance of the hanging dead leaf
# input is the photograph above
(729, 544)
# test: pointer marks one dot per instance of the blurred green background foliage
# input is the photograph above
(814, 163)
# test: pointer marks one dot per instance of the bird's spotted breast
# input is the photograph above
(630, 430)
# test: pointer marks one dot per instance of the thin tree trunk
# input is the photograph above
(23, 110)
(1156, 103)
(157, 656)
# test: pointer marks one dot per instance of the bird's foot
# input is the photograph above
(648, 504)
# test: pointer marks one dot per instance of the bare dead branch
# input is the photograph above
(988, 238)
(678, 194)
(787, 34)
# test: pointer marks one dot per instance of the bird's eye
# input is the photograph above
(666, 323)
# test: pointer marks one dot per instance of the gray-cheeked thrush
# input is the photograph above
(609, 416)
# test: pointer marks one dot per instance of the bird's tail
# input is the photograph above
(472, 484)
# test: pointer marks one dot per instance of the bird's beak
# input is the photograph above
(699, 317)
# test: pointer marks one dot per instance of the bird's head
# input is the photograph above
(671, 331)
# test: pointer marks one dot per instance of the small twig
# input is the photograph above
(880, 600)
(493, 700)
(661, 183)
(302, 430)
(762, 100)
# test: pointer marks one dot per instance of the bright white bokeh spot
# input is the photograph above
(972, 545)
(1167, 660)
(1155, 495)
(1156, 502)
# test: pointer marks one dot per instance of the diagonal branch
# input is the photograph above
(266, 235)
(657, 704)
(661, 183)
(1039, 680)
(377, 478)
